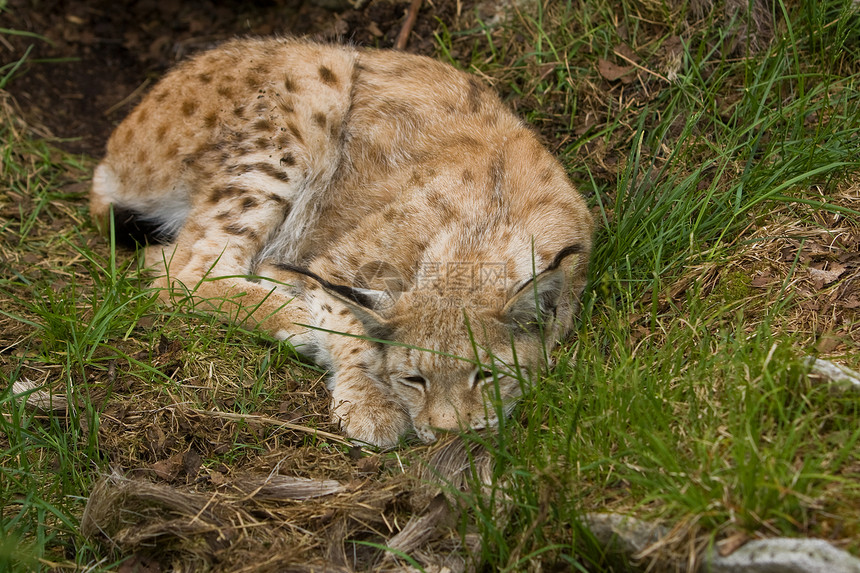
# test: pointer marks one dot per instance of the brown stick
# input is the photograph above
(411, 16)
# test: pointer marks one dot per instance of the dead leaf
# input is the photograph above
(546, 70)
(368, 465)
(821, 277)
(672, 46)
(624, 50)
(191, 462)
(290, 414)
(373, 28)
(828, 343)
(140, 563)
(849, 256)
(732, 543)
(851, 302)
(583, 124)
(612, 72)
(159, 443)
(168, 469)
(341, 26)
(158, 46)
(762, 280)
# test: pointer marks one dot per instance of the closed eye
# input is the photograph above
(418, 382)
(482, 376)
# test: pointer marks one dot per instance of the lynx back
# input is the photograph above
(383, 212)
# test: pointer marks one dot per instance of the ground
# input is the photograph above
(111, 53)
(721, 166)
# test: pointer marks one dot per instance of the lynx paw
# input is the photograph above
(380, 423)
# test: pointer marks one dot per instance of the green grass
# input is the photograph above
(704, 416)
(686, 405)
(697, 423)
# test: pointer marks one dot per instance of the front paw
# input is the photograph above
(378, 422)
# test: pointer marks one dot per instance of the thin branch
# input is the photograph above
(275, 422)
(411, 16)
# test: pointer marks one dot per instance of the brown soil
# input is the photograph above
(184, 485)
(110, 52)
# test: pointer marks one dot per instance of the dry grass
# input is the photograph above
(800, 260)
(253, 520)
(186, 444)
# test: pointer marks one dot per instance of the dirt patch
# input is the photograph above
(98, 57)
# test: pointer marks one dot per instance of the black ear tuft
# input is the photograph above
(562, 255)
(366, 305)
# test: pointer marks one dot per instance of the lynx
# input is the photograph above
(383, 212)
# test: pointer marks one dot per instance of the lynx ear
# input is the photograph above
(367, 305)
(535, 302)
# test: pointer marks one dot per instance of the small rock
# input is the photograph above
(833, 374)
(783, 555)
(623, 534)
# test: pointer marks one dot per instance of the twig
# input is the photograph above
(128, 98)
(411, 16)
(833, 373)
(275, 422)
(635, 65)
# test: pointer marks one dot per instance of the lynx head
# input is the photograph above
(458, 360)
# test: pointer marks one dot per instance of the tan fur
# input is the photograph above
(280, 169)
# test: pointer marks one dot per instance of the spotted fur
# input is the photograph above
(382, 211)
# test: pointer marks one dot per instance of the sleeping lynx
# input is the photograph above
(382, 211)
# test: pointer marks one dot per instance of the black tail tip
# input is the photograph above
(132, 229)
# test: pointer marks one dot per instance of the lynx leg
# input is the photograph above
(361, 405)
(211, 262)
(364, 410)
(218, 286)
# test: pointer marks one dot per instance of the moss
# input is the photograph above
(735, 285)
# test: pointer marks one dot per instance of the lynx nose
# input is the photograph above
(447, 421)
